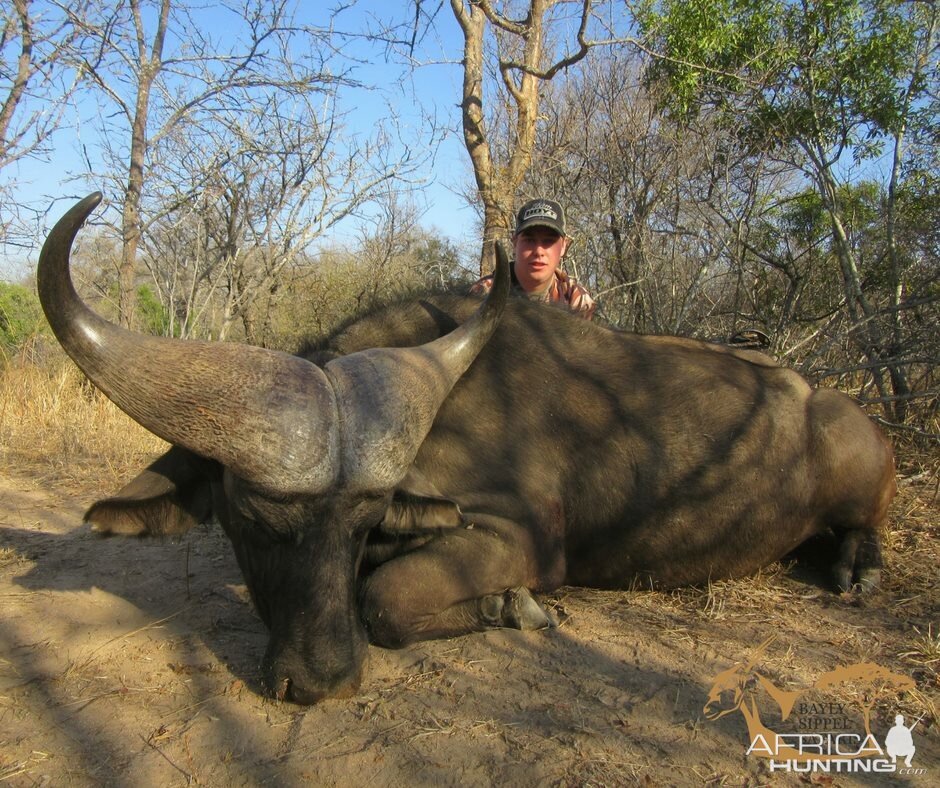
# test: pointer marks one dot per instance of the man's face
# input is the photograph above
(538, 254)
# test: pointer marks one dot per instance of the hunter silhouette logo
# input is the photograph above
(817, 731)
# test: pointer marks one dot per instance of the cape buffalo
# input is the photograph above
(423, 470)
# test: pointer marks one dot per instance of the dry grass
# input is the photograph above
(56, 426)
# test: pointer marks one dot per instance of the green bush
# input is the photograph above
(152, 316)
(20, 316)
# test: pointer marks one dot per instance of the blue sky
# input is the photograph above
(436, 89)
(437, 86)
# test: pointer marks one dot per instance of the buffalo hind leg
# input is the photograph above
(858, 560)
(856, 485)
(464, 581)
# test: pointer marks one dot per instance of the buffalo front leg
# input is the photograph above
(465, 581)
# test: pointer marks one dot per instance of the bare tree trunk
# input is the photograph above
(34, 91)
(521, 78)
(472, 22)
(44, 46)
(167, 78)
(861, 310)
(150, 65)
(899, 380)
(24, 70)
(899, 383)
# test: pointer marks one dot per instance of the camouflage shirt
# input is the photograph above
(563, 291)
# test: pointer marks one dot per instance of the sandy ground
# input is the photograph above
(130, 662)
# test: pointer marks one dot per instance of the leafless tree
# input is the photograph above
(157, 64)
(249, 195)
(640, 193)
(510, 51)
(678, 228)
(35, 86)
(392, 257)
(400, 256)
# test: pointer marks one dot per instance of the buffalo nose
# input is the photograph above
(304, 669)
(288, 679)
(281, 688)
(291, 691)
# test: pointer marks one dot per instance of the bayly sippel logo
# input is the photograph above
(826, 727)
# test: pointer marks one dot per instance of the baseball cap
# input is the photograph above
(541, 213)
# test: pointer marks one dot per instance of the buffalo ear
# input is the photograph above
(409, 513)
(160, 515)
(167, 498)
(412, 519)
(419, 508)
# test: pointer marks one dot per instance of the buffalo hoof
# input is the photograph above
(865, 581)
(514, 608)
(868, 580)
(842, 579)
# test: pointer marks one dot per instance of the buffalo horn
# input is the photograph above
(390, 396)
(271, 418)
